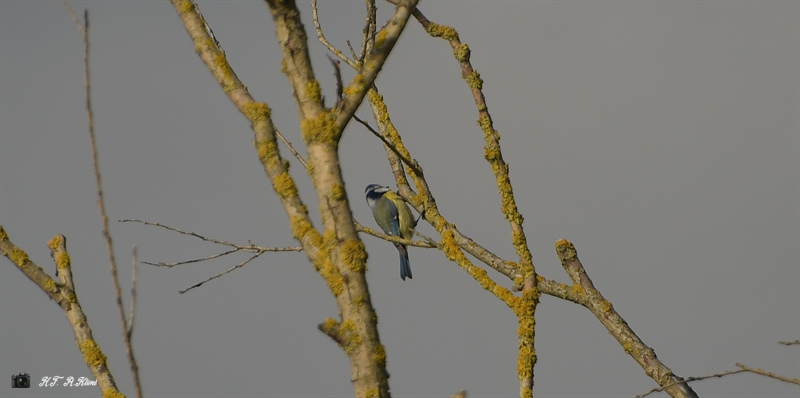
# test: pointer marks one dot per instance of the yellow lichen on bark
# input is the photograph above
(257, 111)
(284, 186)
(337, 192)
(112, 393)
(17, 256)
(354, 255)
(92, 354)
(462, 53)
(445, 32)
(474, 80)
(185, 6)
(350, 337)
(322, 129)
(379, 355)
(313, 91)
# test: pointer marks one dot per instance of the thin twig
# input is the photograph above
(412, 164)
(250, 247)
(326, 43)
(742, 369)
(132, 313)
(196, 260)
(768, 374)
(338, 74)
(428, 239)
(796, 342)
(369, 30)
(374, 61)
(131, 318)
(352, 51)
(396, 239)
(688, 379)
(240, 265)
(74, 17)
(100, 202)
(291, 148)
(196, 235)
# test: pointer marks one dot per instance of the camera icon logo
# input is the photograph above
(22, 380)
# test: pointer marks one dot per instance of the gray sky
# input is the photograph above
(662, 138)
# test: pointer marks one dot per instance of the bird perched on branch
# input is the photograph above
(394, 217)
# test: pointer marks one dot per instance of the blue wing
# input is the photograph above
(386, 215)
(394, 228)
(405, 267)
(391, 226)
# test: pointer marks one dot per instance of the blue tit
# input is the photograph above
(394, 217)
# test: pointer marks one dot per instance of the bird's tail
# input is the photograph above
(405, 268)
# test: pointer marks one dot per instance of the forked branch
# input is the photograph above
(64, 294)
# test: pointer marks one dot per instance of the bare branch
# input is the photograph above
(129, 332)
(395, 239)
(291, 148)
(73, 16)
(322, 39)
(258, 113)
(100, 201)
(644, 355)
(370, 27)
(196, 260)
(338, 74)
(492, 150)
(352, 51)
(560, 290)
(131, 315)
(741, 369)
(250, 247)
(240, 265)
(411, 163)
(688, 379)
(424, 200)
(373, 62)
(196, 235)
(64, 295)
(493, 154)
(768, 374)
(332, 329)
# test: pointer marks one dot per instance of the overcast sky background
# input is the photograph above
(662, 138)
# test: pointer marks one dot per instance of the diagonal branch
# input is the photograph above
(324, 40)
(385, 40)
(527, 303)
(64, 295)
(644, 355)
(259, 115)
(237, 266)
(742, 369)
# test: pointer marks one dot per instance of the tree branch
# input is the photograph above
(101, 202)
(64, 295)
(616, 325)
